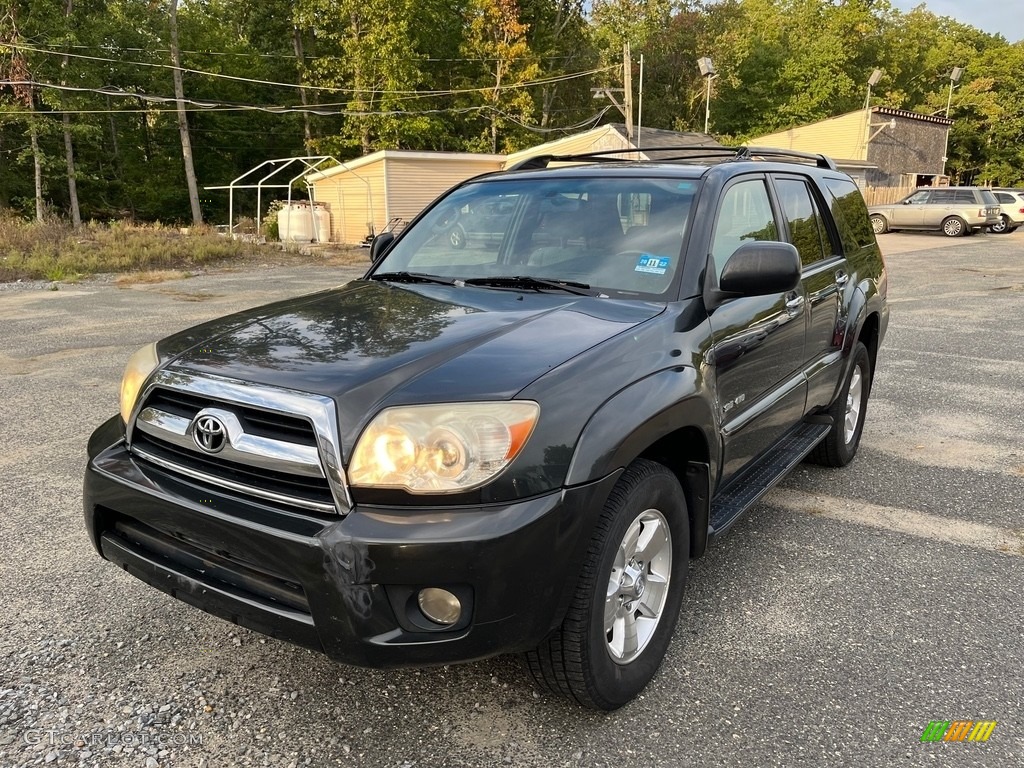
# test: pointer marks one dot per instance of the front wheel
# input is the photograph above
(457, 237)
(624, 610)
(847, 412)
(879, 224)
(954, 226)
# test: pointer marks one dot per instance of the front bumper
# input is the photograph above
(346, 586)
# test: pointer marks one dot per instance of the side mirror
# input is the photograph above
(908, 201)
(380, 244)
(760, 268)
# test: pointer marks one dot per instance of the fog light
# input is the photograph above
(439, 605)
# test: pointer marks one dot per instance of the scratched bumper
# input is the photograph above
(347, 586)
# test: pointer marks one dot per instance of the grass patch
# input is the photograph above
(53, 250)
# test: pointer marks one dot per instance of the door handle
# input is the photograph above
(842, 278)
(794, 304)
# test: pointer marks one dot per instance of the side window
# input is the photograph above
(919, 197)
(965, 196)
(745, 213)
(1002, 197)
(850, 214)
(944, 196)
(806, 229)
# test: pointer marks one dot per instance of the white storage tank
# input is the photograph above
(295, 222)
(321, 223)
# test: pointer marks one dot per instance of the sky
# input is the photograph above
(1003, 16)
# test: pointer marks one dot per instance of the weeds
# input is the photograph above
(53, 251)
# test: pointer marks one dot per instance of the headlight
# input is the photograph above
(139, 366)
(441, 448)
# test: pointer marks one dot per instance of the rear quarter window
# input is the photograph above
(850, 214)
(988, 198)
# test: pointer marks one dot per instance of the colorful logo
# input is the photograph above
(958, 730)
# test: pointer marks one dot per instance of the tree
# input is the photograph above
(15, 68)
(496, 36)
(179, 96)
(559, 37)
(376, 61)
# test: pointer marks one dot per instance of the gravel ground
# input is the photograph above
(835, 621)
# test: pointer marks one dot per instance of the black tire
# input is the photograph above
(1003, 227)
(457, 237)
(576, 659)
(879, 224)
(954, 226)
(840, 444)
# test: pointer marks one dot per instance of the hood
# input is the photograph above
(368, 344)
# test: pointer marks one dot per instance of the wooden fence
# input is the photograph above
(886, 195)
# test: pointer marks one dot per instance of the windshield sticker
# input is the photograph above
(652, 265)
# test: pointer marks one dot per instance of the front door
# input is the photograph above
(911, 212)
(757, 349)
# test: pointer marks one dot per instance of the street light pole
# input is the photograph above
(954, 77)
(872, 81)
(707, 71)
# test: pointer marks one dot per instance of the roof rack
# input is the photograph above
(755, 153)
(688, 154)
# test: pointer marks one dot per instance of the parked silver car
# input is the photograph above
(1011, 204)
(954, 211)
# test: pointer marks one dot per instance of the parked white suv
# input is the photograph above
(955, 211)
(1011, 205)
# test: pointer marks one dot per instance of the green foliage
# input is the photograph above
(455, 75)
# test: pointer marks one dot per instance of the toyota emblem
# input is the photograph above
(210, 433)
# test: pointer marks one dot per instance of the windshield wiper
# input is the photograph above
(536, 283)
(411, 277)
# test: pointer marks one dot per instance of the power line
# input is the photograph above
(257, 54)
(329, 89)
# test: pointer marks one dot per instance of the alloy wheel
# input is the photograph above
(638, 586)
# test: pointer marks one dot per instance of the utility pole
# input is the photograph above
(640, 105)
(627, 97)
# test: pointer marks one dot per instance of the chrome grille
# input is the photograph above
(277, 445)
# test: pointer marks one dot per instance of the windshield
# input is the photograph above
(621, 235)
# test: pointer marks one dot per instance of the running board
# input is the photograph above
(756, 481)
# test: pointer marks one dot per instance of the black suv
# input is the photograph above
(513, 446)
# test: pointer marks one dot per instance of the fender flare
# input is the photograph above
(639, 416)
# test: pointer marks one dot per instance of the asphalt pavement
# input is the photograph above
(836, 621)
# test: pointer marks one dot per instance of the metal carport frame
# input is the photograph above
(311, 164)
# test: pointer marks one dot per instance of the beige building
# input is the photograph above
(613, 137)
(880, 148)
(387, 189)
(392, 185)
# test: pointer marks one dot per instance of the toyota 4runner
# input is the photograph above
(512, 444)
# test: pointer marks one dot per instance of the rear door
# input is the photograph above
(757, 341)
(941, 204)
(825, 274)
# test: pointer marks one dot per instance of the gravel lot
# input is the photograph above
(835, 621)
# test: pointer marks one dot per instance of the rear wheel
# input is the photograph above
(879, 224)
(1003, 227)
(622, 615)
(954, 226)
(847, 412)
